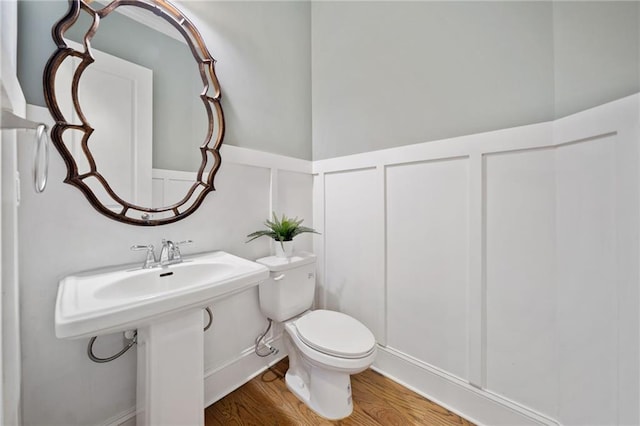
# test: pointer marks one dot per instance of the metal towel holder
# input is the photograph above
(12, 121)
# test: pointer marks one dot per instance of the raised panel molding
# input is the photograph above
(427, 214)
(587, 285)
(551, 254)
(354, 257)
(520, 286)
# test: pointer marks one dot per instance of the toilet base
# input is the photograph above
(327, 392)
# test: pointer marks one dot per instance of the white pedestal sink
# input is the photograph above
(165, 306)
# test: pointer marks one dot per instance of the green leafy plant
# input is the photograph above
(282, 230)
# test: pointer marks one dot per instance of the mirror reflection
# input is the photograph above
(130, 57)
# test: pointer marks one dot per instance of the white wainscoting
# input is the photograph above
(519, 264)
(427, 240)
(169, 186)
(353, 270)
(498, 271)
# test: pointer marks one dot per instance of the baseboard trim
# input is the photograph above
(456, 395)
(223, 380)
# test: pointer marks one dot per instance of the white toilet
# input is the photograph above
(325, 347)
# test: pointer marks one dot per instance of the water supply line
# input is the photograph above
(94, 358)
(206, 327)
(260, 339)
(132, 341)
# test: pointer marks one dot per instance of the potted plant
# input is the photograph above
(283, 231)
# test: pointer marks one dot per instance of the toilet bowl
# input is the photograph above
(325, 347)
(321, 363)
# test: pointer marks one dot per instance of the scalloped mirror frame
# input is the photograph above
(210, 96)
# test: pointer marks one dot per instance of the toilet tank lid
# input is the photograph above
(277, 264)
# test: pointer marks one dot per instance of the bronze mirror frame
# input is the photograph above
(210, 96)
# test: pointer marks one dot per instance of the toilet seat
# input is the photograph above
(336, 334)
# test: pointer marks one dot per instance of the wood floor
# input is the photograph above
(265, 400)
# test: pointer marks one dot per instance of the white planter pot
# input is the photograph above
(287, 251)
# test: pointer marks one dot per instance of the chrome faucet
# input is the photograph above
(169, 254)
(177, 256)
(150, 261)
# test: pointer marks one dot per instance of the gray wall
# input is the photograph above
(387, 74)
(595, 53)
(263, 65)
(391, 73)
(35, 20)
(263, 52)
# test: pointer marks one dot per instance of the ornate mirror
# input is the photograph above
(140, 140)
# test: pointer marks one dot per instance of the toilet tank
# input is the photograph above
(290, 289)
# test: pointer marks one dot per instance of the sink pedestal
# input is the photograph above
(170, 382)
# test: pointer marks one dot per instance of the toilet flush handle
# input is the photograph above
(279, 277)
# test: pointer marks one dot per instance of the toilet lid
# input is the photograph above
(335, 333)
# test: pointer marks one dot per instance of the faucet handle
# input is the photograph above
(176, 249)
(148, 247)
(151, 256)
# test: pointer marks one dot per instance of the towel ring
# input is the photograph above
(12, 121)
(40, 179)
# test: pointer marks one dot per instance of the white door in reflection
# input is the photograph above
(116, 97)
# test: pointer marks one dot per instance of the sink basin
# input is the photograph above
(128, 297)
